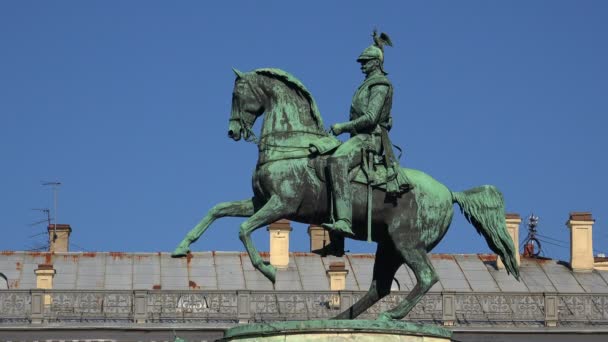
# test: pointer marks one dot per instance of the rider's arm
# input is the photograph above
(372, 114)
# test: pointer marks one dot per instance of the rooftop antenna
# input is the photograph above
(47, 211)
(532, 247)
(55, 186)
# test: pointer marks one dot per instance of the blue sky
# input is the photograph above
(127, 104)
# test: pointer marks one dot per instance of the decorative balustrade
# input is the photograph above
(22, 307)
(15, 306)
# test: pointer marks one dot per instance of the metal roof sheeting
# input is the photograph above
(306, 271)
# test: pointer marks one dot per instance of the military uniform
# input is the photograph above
(370, 108)
(370, 121)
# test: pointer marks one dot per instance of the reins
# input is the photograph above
(251, 137)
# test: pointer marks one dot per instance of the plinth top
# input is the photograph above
(335, 326)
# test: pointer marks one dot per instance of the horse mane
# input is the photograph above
(292, 81)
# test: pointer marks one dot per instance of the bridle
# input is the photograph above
(246, 125)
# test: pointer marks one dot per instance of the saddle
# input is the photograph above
(372, 171)
(377, 176)
(360, 174)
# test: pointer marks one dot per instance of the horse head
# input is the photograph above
(247, 105)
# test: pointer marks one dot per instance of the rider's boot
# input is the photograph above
(341, 192)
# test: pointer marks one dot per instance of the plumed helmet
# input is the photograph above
(371, 52)
(376, 50)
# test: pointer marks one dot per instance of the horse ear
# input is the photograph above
(237, 73)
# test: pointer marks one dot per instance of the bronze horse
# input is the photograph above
(286, 187)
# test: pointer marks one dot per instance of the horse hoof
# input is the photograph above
(384, 317)
(180, 252)
(271, 273)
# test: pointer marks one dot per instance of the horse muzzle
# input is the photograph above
(235, 130)
(234, 135)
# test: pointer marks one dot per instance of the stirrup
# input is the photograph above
(341, 227)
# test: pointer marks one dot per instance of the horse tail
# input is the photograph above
(484, 208)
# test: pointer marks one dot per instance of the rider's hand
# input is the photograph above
(337, 129)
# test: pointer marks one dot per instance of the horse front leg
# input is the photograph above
(244, 208)
(272, 211)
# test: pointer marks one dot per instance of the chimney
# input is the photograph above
(337, 281)
(59, 237)
(581, 241)
(600, 262)
(337, 276)
(279, 243)
(513, 221)
(44, 279)
(319, 238)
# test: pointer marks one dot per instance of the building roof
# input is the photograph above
(306, 271)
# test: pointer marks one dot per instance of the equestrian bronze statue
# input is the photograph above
(356, 188)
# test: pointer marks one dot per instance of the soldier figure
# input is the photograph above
(370, 121)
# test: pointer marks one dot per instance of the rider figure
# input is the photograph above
(370, 121)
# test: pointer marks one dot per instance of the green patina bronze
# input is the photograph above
(329, 326)
(303, 174)
(370, 121)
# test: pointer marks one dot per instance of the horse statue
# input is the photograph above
(286, 185)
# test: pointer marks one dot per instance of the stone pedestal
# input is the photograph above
(338, 331)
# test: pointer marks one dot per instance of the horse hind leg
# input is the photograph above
(388, 261)
(418, 261)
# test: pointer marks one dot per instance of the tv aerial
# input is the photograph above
(532, 246)
(55, 186)
(47, 211)
(40, 246)
(47, 220)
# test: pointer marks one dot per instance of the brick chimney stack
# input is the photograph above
(279, 243)
(581, 241)
(44, 279)
(337, 275)
(319, 237)
(513, 221)
(59, 237)
(337, 281)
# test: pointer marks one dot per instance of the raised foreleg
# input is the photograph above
(244, 208)
(273, 210)
(386, 265)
